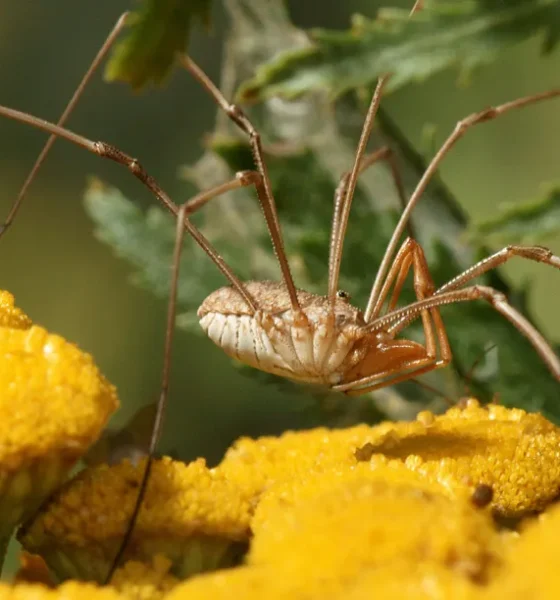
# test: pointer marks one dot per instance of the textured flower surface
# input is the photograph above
(343, 523)
(53, 398)
(191, 514)
(254, 465)
(10, 315)
(54, 404)
(515, 453)
(72, 590)
(141, 581)
(406, 510)
(531, 566)
(397, 581)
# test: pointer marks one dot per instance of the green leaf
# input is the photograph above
(459, 33)
(522, 223)
(146, 240)
(159, 29)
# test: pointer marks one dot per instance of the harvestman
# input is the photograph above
(289, 332)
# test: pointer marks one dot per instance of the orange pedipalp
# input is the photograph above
(393, 355)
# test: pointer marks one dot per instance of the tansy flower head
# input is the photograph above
(402, 580)
(54, 404)
(514, 453)
(134, 580)
(69, 591)
(254, 583)
(285, 495)
(190, 514)
(140, 581)
(531, 565)
(398, 581)
(254, 465)
(336, 525)
(494, 453)
(10, 315)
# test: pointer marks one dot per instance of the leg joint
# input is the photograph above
(247, 178)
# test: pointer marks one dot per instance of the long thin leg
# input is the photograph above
(119, 25)
(387, 378)
(411, 253)
(424, 287)
(397, 275)
(460, 129)
(406, 257)
(475, 292)
(265, 190)
(336, 256)
(536, 253)
(164, 392)
(431, 321)
(105, 150)
(398, 272)
(341, 194)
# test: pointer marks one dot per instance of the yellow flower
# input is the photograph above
(399, 581)
(405, 581)
(531, 566)
(54, 401)
(134, 580)
(10, 315)
(511, 455)
(190, 514)
(336, 525)
(69, 591)
(139, 581)
(54, 404)
(252, 583)
(515, 453)
(254, 465)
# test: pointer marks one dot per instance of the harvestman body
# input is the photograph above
(323, 345)
(325, 340)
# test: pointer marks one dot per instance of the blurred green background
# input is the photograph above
(71, 284)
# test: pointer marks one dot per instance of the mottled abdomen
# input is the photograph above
(316, 347)
(241, 337)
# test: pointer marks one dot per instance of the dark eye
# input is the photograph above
(343, 295)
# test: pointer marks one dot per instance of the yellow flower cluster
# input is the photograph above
(362, 522)
(54, 404)
(72, 590)
(398, 581)
(134, 581)
(531, 569)
(10, 315)
(515, 453)
(254, 465)
(191, 514)
(141, 581)
(398, 510)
